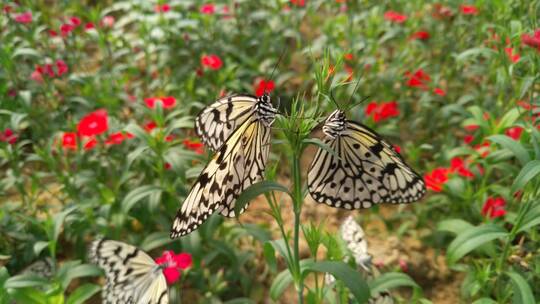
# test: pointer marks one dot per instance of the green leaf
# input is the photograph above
(343, 272)
(138, 194)
(527, 173)
(255, 190)
(522, 290)
(281, 247)
(59, 219)
(390, 280)
(473, 238)
(25, 280)
(514, 146)
(25, 52)
(474, 52)
(322, 145)
(280, 283)
(155, 240)
(29, 296)
(485, 301)
(78, 271)
(83, 293)
(270, 256)
(531, 218)
(455, 226)
(39, 246)
(508, 119)
(526, 85)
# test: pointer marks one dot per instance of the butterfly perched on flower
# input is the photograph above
(238, 129)
(132, 276)
(354, 237)
(359, 168)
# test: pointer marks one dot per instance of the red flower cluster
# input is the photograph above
(208, 9)
(420, 35)
(436, 179)
(396, 17)
(8, 136)
(163, 8)
(514, 132)
(514, 57)
(212, 62)
(494, 207)
(23, 18)
(418, 79)
(458, 165)
(166, 102)
(532, 40)
(196, 146)
(468, 10)
(300, 3)
(174, 263)
(58, 69)
(381, 111)
(263, 86)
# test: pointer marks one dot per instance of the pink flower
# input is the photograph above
(23, 18)
(211, 61)
(107, 21)
(439, 92)
(61, 67)
(166, 102)
(514, 132)
(208, 9)
(37, 75)
(173, 263)
(395, 17)
(514, 57)
(468, 9)
(494, 207)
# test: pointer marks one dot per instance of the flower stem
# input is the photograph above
(297, 208)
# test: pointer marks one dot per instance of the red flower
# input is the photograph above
(53, 33)
(482, 149)
(8, 136)
(468, 139)
(37, 75)
(89, 26)
(212, 62)
(397, 148)
(514, 57)
(420, 35)
(7, 9)
(69, 140)
(76, 21)
(298, 2)
(532, 41)
(194, 146)
(94, 123)
(66, 28)
(348, 56)
(208, 9)
(418, 79)
(162, 8)
(395, 17)
(381, 111)
(494, 207)
(150, 126)
(23, 18)
(61, 66)
(436, 179)
(514, 132)
(48, 69)
(457, 164)
(167, 166)
(439, 92)
(117, 138)
(264, 86)
(90, 143)
(166, 102)
(471, 127)
(468, 10)
(107, 21)
(173, 263)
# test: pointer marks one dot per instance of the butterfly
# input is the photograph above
(238, 129)
(354, 237)
(42, 268)
(361, 168)
(132, 276)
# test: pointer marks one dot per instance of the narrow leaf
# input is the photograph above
(280, 283)
(390, 280)
(255, 190)
(527, 173)
(522, 290)
(473, 238)
(83, 293)
(514, 146)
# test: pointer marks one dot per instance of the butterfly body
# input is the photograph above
(363, 170)
(238, 129)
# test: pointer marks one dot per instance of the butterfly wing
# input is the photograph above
(363, 170)
(218, 121)
(131, 275)
(238, 164)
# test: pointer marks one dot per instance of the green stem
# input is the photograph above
(523, 209)
(297, 204)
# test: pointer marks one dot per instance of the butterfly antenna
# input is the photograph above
(354, 91)
(334, 99)
(276, 65)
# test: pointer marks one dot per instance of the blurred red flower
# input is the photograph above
(94, 123)
(298, 2)
(69, 140)
(150, 126)
(348, 56)
(116, 138)
(468, 139)
(417, 79)
(514, 132)
(208, 9)
(8, 136)
(23, 18)
(211, 61)
(166, 102)
(482, 149)
(53, 33)
(7, 9)
(439, 91)
(196, 146)
(436, 179)
(173, 263)
(76, 21)
(167, 166)
(514, 57)
(61, 67)
(397, 148)
(381, 111)
(532, 41)
(107, 21)
(66, 28)
(37, 74)
(468, 9)
(163, 8)
(89, 26)
(90, 143)
(494, 207)
(263, 86)
(420, 35)
(395, 17)
(457, 164)
(471, 127)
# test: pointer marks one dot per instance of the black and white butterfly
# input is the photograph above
(238, 128)
(354, 237)
(42, 268)
(132, 276)
(363, 169)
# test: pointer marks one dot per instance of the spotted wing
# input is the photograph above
(363, 170)
(238, 164)
(218, 121)
(131, 275)
(42, 268)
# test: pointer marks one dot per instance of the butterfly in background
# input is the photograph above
(354, 237)
(363, 169)
(238, 129)
(132, 276)
(42, 268)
